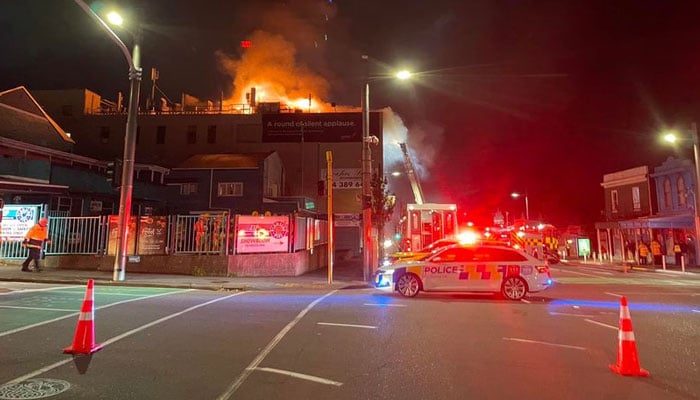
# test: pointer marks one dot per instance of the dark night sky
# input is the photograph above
(543, 96)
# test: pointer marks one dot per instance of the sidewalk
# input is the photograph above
(631, 267)
(347, 274)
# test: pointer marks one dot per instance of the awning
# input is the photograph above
(685, 221)
(31, 187)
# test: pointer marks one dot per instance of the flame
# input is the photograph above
(270, 67)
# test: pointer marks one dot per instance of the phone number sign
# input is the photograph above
(345, 178)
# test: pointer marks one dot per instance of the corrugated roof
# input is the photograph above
(17, 101)
(225, 161)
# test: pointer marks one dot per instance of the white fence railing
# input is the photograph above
(206, 234)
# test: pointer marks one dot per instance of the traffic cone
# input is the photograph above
(627, 357)
(84, 340)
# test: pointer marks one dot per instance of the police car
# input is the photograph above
(463, 268)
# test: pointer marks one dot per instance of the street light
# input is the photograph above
(367, 172)
(134, 61)
(672, 137)
(515, 195)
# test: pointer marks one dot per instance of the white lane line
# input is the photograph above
(117, 338)
(300, 376)
(104, 294)
(525, 301)
(571, 315)
(22, 291)
(348, 325)
(584, 274)
(545, 343)
(696, 311)
(39, 308)
(613, 294)
(24, 328)
(601, 324)
(254, 364)
(385, 305)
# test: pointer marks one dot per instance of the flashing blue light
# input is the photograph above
(615, 305)
(549, 281)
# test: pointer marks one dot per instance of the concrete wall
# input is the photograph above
(241, 265)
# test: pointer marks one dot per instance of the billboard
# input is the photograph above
(153, 235)
(17, 219)
(256, 234)
(324, 127)
(344, 178)
(114, 235)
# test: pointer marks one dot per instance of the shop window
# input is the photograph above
(682, 193)
(668, 201)
(636, 199)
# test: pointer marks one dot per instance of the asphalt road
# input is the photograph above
(355, 343)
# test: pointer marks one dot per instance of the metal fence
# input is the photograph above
(207, 234)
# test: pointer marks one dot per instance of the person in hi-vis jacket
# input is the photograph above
(34, 240)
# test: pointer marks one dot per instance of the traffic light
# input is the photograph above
(321, 188)
(114, 172)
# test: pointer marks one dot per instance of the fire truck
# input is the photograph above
(423, 223)
(540, 240)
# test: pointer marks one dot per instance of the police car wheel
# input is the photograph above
(408, 285)
(514, 288)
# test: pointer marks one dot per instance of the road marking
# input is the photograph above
(41, 290)
(581, 273)
(385, 305)
(601, 324)
(117, 338)
(106, 294)
(254, 364)
(696, 311)
(38, 308)
(300, 376)
(347, 325)
(525, 301)
(77, 313)
(613, 294)
(571, 315)
(545, 343)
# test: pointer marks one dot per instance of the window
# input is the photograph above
(191, 134)
(497, 255)
(188, 188)
(63, 204)
(138, 134)
(160, 135)
(614, 203)
(230, 189)
(211, 134)
(104, 134)
(668, 203)
(682, 192)
(636, 199)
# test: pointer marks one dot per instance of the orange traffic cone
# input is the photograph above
(627, 358)
(84, 340)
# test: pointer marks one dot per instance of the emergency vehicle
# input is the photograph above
(481, 268)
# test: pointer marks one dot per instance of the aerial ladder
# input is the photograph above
(415, 184)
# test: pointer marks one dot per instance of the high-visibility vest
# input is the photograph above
(676, 248)
(656, 248)
(36, 236)
(643, 250)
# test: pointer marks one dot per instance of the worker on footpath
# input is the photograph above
(643, 253)
(34, 240)
(656, 251)
(678, 252)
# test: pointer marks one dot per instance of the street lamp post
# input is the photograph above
(134, 61)
(515, 195)
(366, 185)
